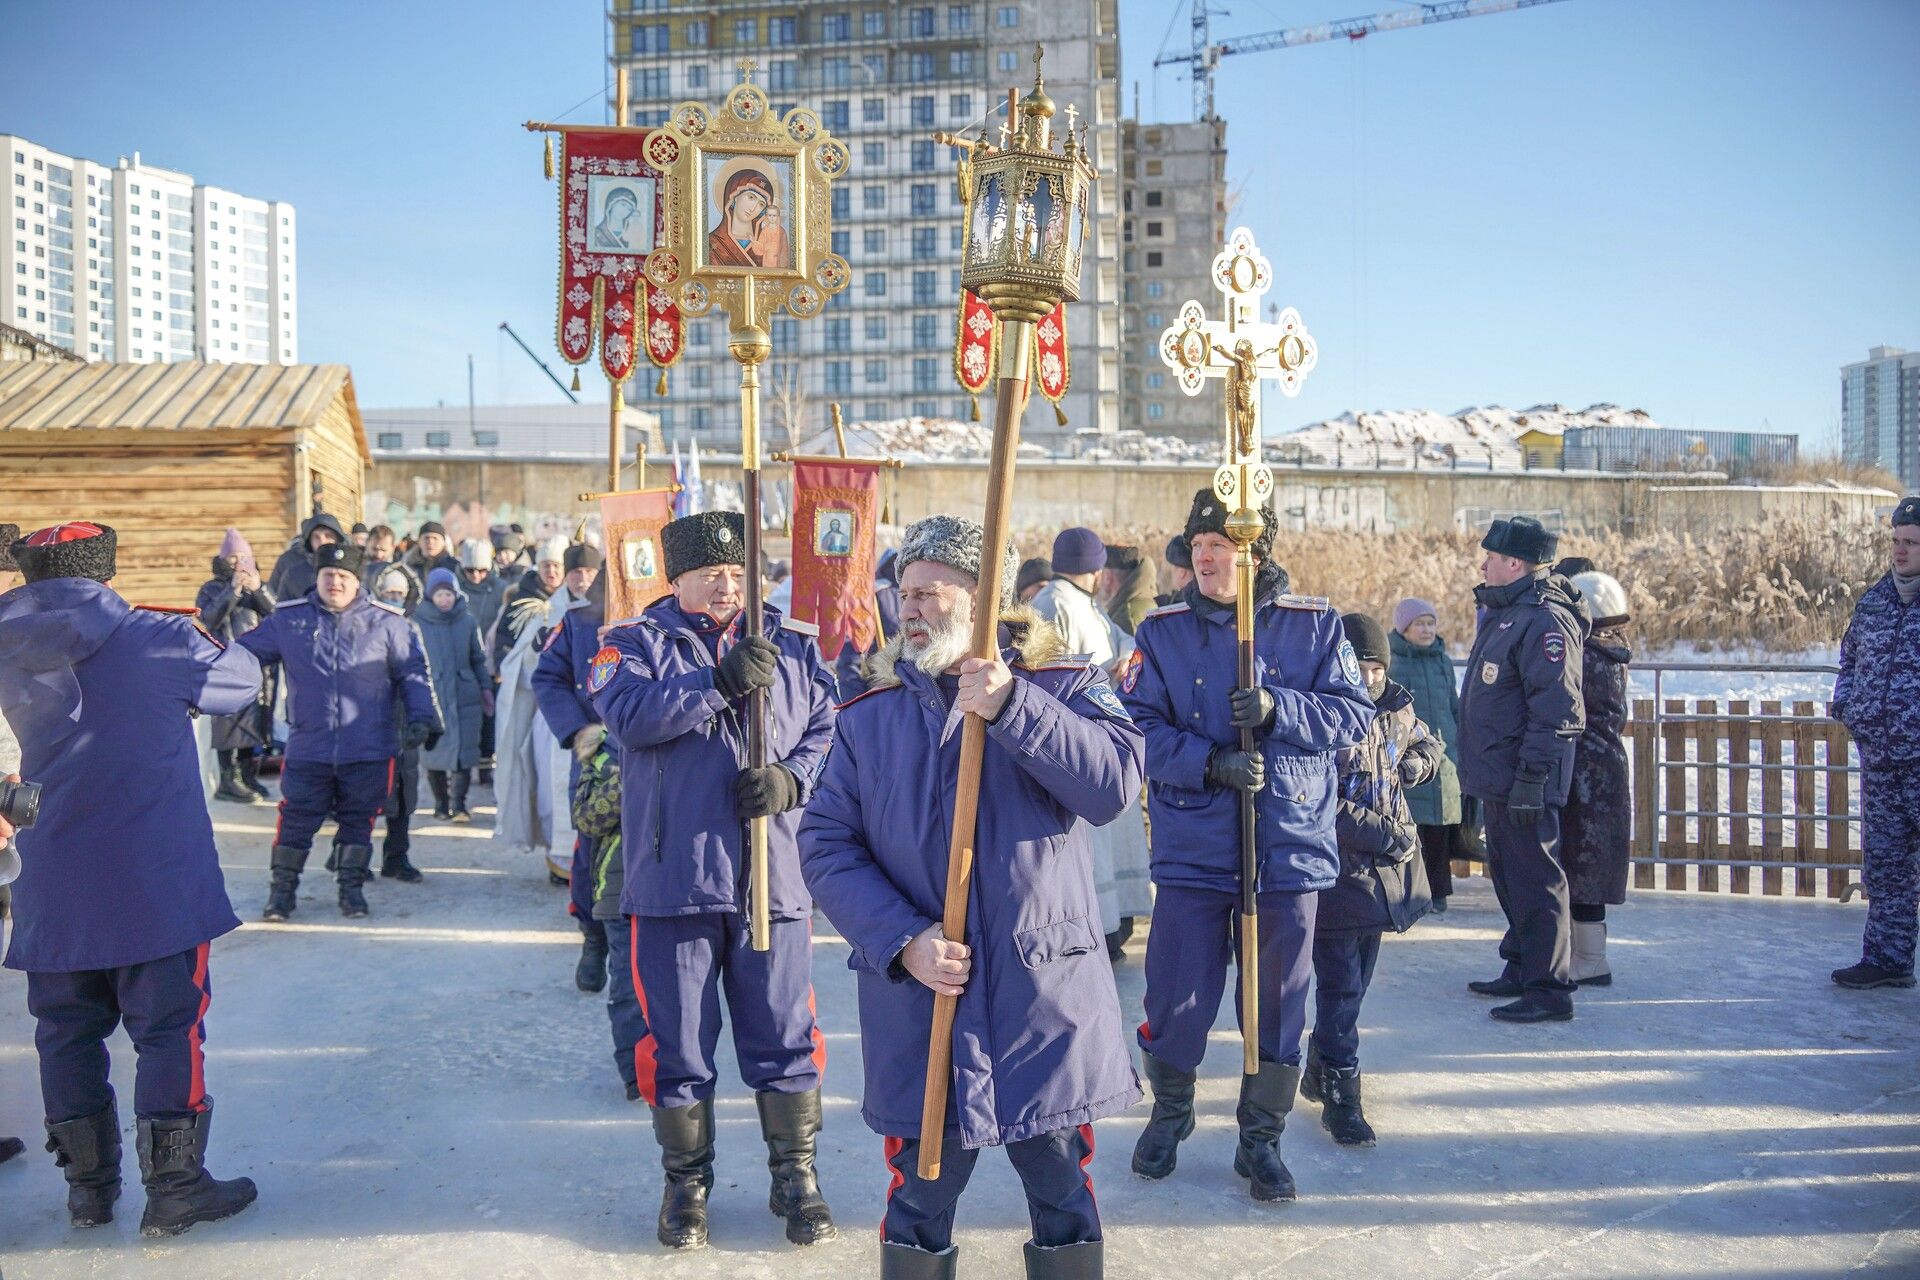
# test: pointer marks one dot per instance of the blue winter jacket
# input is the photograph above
(1177, 684)
(121, 867)
(1037, 1041)
(560, 676)
(1877, 693)
(681, 746)
(343, 670)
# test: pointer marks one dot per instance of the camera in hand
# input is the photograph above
(20, 803)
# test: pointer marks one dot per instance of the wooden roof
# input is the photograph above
(184, 396)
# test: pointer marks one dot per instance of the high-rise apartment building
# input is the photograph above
(1880, 413)
(135, 263)
(884, 75)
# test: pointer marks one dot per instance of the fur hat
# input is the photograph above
(582, 555)
(1412, 608)
(703, 540)
(1179, 554)
(1573, 566)
(475, 554)
(339, 555)
(9, 534)
(1122, 558)
(1908, 512)
(1523, 538)
(1078, 550)
(1209, 515)
(1368, 638)
(554, 549)
(955, 542)
(77, 549)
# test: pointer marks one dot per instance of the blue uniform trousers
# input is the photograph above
(679, 965)
(164, 1004)
(1890, 853)
(629, 1025)
(1052, 1168)
(352, 795)
(1524, 863)
(1195, 936)
(1342, 972)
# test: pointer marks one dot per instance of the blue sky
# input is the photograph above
(1697, 207)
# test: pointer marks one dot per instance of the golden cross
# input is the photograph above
(747, 67)
(1073, 113)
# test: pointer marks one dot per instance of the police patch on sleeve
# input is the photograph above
(1101, 695)
(1555, 645)
(1130, 674)
(1350, 663)
(606, 664)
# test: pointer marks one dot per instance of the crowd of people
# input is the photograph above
(1112, 789)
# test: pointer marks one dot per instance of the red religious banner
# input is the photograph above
(836, 513)
(636, 566)
(1050, 365)
(612, 215)
(975, 337)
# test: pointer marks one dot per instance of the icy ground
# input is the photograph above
(424, 1094)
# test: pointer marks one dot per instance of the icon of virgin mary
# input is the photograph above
(748, 232)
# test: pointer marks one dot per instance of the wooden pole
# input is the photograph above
(750, 345)
(1017, 343)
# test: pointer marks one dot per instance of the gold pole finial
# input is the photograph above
(747, 67)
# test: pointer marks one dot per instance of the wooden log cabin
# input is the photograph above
(170, 455)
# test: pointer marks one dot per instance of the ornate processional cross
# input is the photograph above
(1241, 350)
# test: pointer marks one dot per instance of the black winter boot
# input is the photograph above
(591, 973)
(437, 781)
(1310, 1074)
(354, 863)
(1865, 977)
(1504, 987)
(283, 896)
(88, 1152)
(1065, 1262)
(232, 789)
(1265, 1100)
(180, 1191)
(904, 1262)
(685, 1135)
(460, 780)
(790, 1122)
(249, 767)
(397, 866)
(1158, 1148)
(1342, 1114)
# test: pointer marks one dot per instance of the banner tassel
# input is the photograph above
(660, 387)
(1059, 414)
(976, 407)
(546, 161)
(576, 378)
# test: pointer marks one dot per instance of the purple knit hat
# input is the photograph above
(1079, 550)
(1408, 610)
(235, 544)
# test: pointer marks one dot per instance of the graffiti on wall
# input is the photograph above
(404, 513)
(1362, 507)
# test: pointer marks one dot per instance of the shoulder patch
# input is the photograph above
(1318, 604)
(167, 608)
(798, 627)
(1350, 665)
(1101, 695)
(861, 697)
(1130, 674)
(1555, 646)
(606, 664)
(1167, 610)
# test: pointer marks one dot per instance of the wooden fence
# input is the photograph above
(1719, 794)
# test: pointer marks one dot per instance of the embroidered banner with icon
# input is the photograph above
(636, 565)
(976, 342)
(612, 215)
(836, 515)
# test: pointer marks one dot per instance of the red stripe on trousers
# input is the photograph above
(813, 1015)
(197, 1035)
(390, 763)
(646, 1058)
(1086, 1135)
(280, 814)
(892, 1147)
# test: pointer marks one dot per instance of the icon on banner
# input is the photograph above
(833, 532)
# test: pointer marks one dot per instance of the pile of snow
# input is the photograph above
(915, 440)
(1485, 437)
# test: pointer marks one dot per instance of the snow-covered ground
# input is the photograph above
(424, 1094)
(1785, 682)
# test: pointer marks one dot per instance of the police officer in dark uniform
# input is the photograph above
(346, 657)
(117, 901)
(1180, 686)
(1521, 712)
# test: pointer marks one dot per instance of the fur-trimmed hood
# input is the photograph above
(1024, 631)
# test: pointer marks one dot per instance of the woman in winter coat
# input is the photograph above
(1382, 885)
(230, 604)
(1596, 826)
(1421, 665)
(458, 665)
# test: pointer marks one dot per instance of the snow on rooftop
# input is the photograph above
(1486, 436)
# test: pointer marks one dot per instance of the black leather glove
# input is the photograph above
(1252, 709)
(749, 665)
(763, 792)
(417, 734)
(1401, 853)
(1231, 769)
(1527, 800)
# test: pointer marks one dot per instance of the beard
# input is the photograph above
(944, 645)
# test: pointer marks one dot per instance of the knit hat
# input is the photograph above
(703, 540)
(395, 579)
(1410, 610)
(554, 549)
(1908, 512)
(236, 545)
(1032, 573)
(77, 549)
(1523, 538)
(1079, 550)
(497, 534)
(475, 554)
(358, 527)
(1122, 558)
(339, 555)
(955, 542)
(1209, 515)
(433, 526)
(1369, 641)
(442, 578)
(9, 534)
(582, 555)
(1179, 554)
(1573, 566)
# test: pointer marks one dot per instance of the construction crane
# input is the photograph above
(1206, 55)
(551, 376)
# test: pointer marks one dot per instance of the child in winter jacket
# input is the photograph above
(596, 816)
(1382, 885)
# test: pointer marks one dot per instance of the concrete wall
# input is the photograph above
(467, 495)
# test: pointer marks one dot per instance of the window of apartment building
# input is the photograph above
(653, 82)
(699, 335)
(960, 106)
(925, 409)
(925, 284)
(783, 31)
(836, 72)
(926, 376)
(923, 197)
(927, 335)
(387, 440)
(694, 34)
(923, 156)
(1154, 199)
(697, 76)
(784, 74)
(1156, 380)
(1155, 320)
(702, 417)
(959, 62)
(876, 284)
(876, 373)
(1008, 60)
(700, 377)
(873, 154)
(920, 68)
(842, 242)
(1156, 288)
(1154, 167)
(874, 240)
(959, 17)
(839, 375)
(920, 22)
(439, 439)
(841, 201)
(923, 113)
(746, 31)
(954, 234)
(874, 22)
(839, 333)
(873, 110)
(651, 38)
(1156, 411)
(834, 115)
(486, 439)
(1155, 230)
(924, 242)
(836, 26)
(873, 198)
(876, 328)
